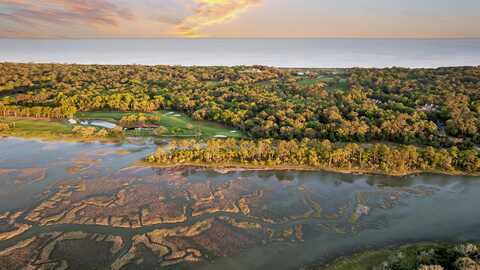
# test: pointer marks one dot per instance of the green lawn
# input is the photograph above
(330, 82)
(341, 85)
(178, 125)
(37, 128)
(308, 82)
(42, 126)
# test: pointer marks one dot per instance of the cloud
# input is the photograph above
(90, 18)
(210, 12)
(54, 13)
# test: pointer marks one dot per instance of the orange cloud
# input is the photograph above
(42, 14)
(210, 12)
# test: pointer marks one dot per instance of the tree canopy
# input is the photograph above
(434, 107)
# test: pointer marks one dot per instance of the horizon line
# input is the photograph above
(200, 38)
(233, 65)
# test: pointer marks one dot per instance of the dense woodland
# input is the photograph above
(437, 107)
(422, 107)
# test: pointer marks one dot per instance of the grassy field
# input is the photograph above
(38, 128)
(342, 85)
(43, 126)
(178, 125)
(329, 80)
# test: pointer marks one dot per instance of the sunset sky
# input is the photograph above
(239, 18)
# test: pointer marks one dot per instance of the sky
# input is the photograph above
(239, 18)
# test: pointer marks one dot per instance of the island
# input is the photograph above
(392, 121)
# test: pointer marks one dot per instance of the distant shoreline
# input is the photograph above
(230, 66)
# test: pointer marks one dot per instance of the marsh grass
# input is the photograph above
(373, 259)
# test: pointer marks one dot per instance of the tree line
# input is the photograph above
(37, 112)
(317, 154)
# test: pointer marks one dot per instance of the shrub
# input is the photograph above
(84, 131)
(4, 126)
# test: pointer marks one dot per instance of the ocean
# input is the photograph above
(308, 53)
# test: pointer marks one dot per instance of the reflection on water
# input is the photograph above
(62, 202)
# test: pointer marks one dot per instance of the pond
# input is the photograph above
(61, 201)
(99, 123)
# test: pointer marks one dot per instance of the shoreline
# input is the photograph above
(227, 168)
(63, 138)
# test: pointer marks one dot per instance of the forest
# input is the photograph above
(394, 107)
